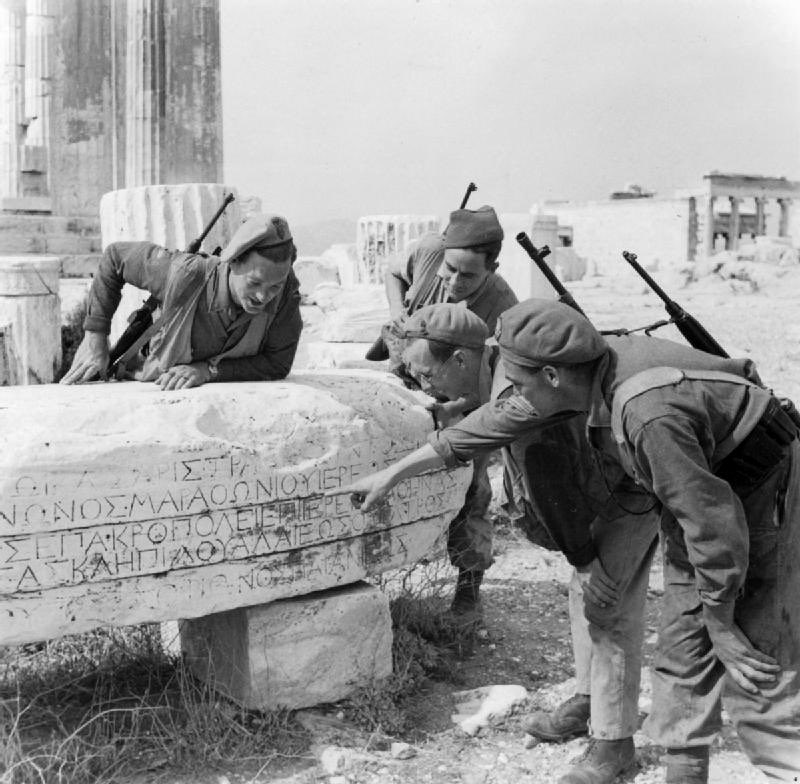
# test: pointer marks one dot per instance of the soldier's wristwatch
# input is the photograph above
(213, 371)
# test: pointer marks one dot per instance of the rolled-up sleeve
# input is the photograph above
(495, 424)
(142, 264)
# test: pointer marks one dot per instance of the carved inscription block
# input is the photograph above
(120, 503)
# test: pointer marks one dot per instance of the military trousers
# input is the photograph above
(469, 538)
(607, 642)
(690, 685)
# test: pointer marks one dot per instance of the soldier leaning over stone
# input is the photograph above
(562, 500)
(458, 266)
(235, 317)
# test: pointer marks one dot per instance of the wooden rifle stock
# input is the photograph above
(142, 319)
(697, 336)
(538, 257)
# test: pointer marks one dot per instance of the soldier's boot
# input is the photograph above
(466, 600)
(602, 762)
(687, 765)
(568, 720)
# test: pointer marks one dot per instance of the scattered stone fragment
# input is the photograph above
(403, 751)
(489, 704)
(335, 759)
(531, 741)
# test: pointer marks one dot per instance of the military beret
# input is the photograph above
(543, 331)
(259, 232)
(468, 228)
(447, 323)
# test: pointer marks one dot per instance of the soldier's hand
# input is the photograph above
(184, 376)
(600, 589)
(90, 361)
(746, 665)
(367, 493)
(446, 414)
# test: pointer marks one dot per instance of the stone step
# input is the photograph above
(80, 265)
(17, 223)
(61, 244)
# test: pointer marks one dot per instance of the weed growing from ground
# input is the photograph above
(426, 639)
(99, 706)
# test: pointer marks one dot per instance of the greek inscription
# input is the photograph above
(200, 511)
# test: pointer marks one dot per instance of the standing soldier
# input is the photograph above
(721, 455)
(458, 266)
(235, 317)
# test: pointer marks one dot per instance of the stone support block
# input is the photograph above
(121, 503)
(294, 652)
(29, 302)
(169, 215)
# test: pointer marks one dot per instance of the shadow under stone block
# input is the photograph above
(294, 652)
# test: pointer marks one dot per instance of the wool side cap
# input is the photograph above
(538, 332)
(447, 323)
(256, 233)
(468, 228)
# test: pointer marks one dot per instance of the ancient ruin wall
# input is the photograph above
(652, 228)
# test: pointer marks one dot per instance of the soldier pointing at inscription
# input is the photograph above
(562, 501)
(235, 317)
(721, 455)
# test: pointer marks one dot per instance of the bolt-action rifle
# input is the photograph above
(695, 333)
(142, 319)
(538, 256)
(378, 350)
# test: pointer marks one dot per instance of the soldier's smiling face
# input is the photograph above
(256, 280)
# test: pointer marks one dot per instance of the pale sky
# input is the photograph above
(341, 108)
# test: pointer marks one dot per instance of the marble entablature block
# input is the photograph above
(123, 504)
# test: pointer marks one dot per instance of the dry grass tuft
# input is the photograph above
(99, 706)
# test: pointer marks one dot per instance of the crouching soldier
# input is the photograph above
(235, 317)
(564, 502)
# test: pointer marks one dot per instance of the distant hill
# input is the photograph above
(313, 239)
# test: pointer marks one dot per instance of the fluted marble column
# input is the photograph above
(143, 91)
(12, 94)
(710, 227)
(733, 227)
(39, 24)
(783, 221)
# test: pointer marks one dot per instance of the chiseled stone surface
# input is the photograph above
(294, 652)
(121, 504)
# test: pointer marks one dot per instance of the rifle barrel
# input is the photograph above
(470, 188)
(194, 246)
(538, 256)
(631, 259)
